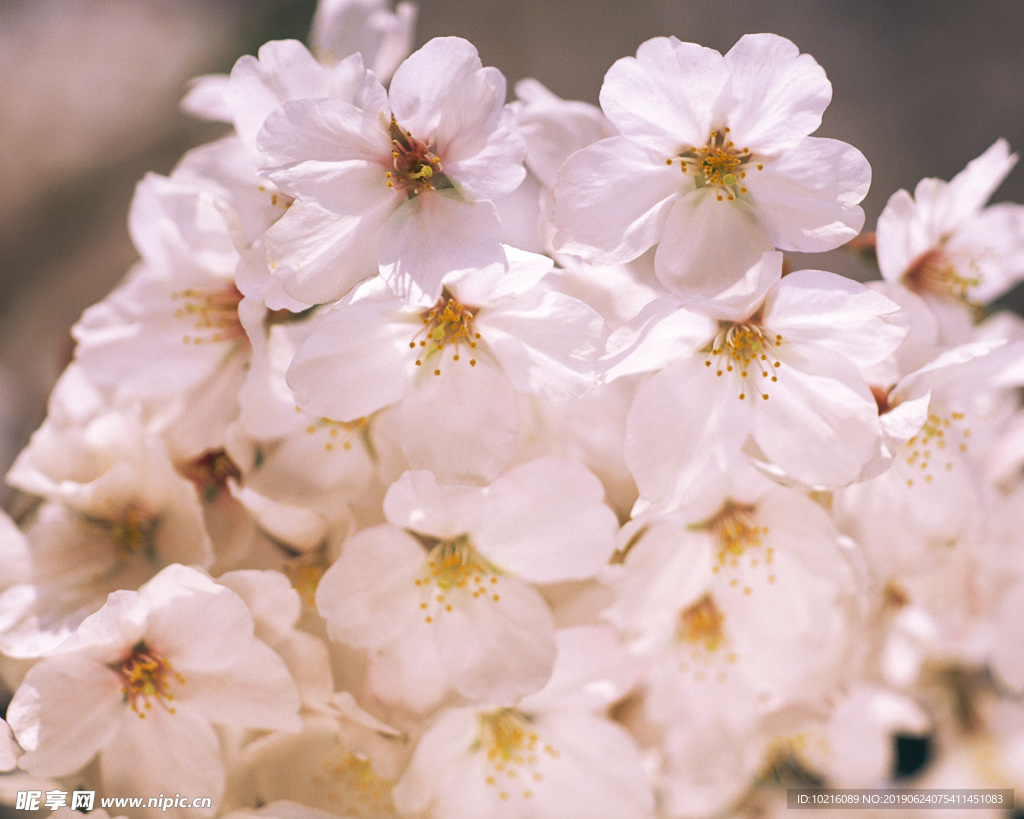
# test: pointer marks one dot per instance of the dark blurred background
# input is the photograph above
(89, 93)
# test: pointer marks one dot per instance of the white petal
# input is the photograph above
(974, 185)
(665, 98)
(427, 79)
(355, 361)
(254, 691)
(499, 646)
(837, 313)
(547, 522)
(165, 754)
(778, 94)
(612, 199)
(808, 198)
(64, 712)
(683, 434)
(320, 255)
(416, 501)
(434, 234)
(461, 424)
(374, 575)
(657, 336)
(820, 422)
(708, 246)
(546, 343)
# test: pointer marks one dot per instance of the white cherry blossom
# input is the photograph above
(401, 182)
(452, 571)
(714, 164)
(946, 245)
(454, 368)
(142, 682)
(779, 366)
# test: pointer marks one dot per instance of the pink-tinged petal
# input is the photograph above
(808, 198)
(284, 70)
(435, 234)
(485, 285)
(657, 336)
(546, 521)
(684, 433)
(416, 501)
(836, 313)
(708, 246)
(778, 94)
(444, 766)
(1007, 658)
(820, 422)
(546, 343)
(665, 97)
(424, 83)
(612, 199)
(486, 169)
(253, 691)
(320, 255)
(197, 624)
(408, 673)
(598, 769)
(65, 711)
(744, 297)
(901, 237)
(324, 131)
(107, 634)
(970, 189)
(165, 754)
(592, 671)
(499, 646)
(205, 98)
(375, 575)
(355, 361)
(179, 226)
(462, 424)
(991, 244)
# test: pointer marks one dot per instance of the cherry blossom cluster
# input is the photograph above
(444, 457)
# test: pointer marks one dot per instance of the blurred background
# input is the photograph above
(89, 93)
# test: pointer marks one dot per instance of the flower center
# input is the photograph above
(938, 273)
(133, 533)
(146, 676)
(742, 348)
(939, 437)
(700, 625)
(736, 533)
(355, 786)
(213, 314)
(448, 323)
(210, 473)
(718, 164)
(452, 566)
(342, 432)
(513, 750)
(416, 167)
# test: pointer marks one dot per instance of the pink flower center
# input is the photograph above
(145, 677)
(939, 272)
(416, 167)
(212, 314)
